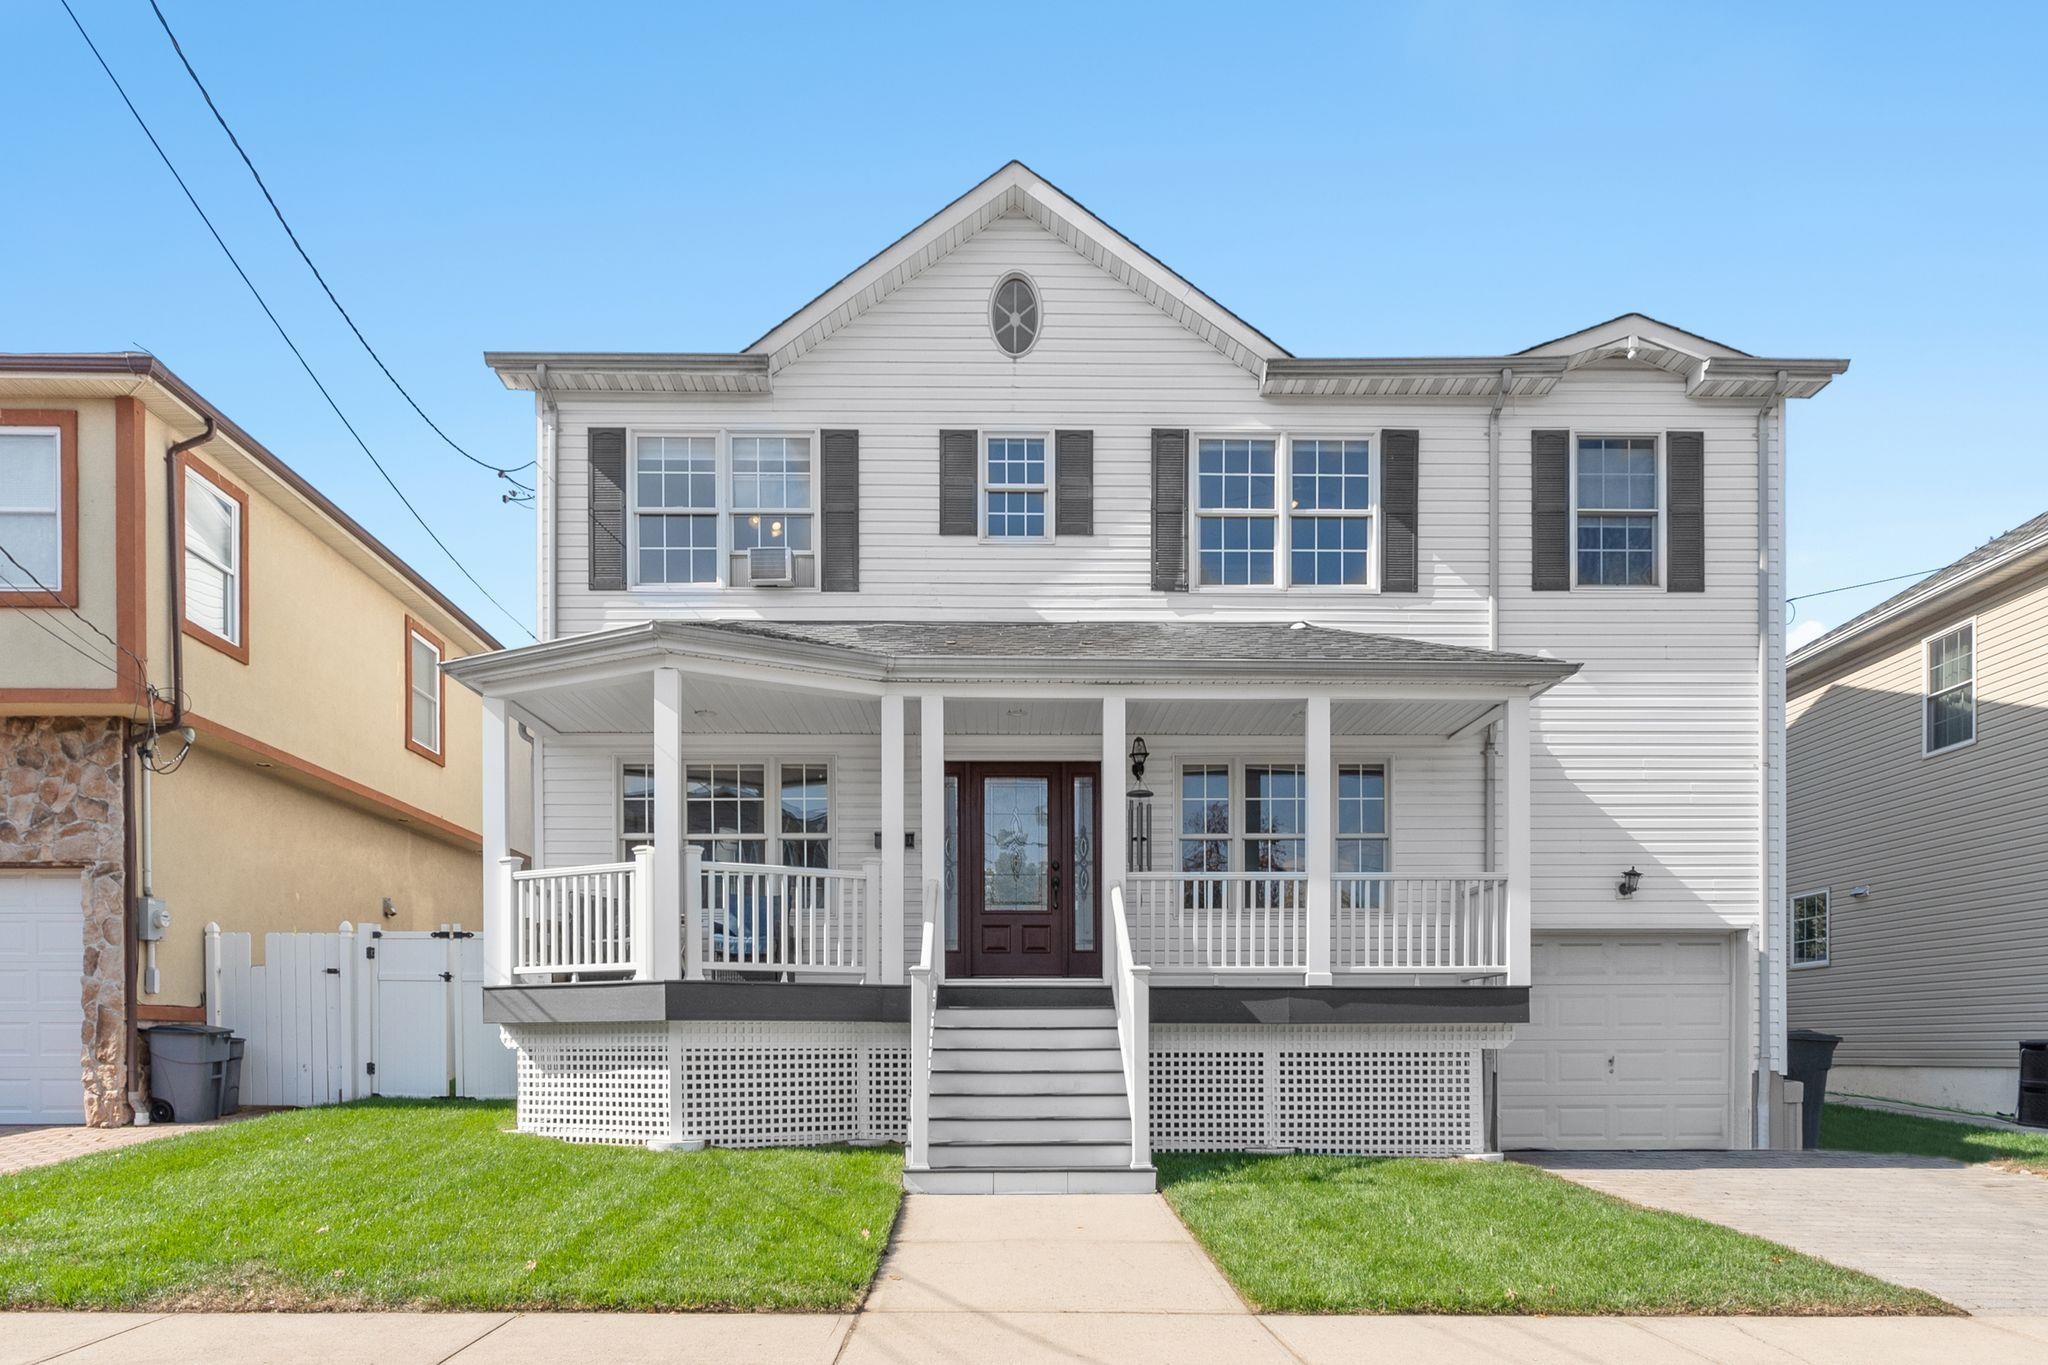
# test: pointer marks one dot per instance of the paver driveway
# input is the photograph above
(1975, 1235)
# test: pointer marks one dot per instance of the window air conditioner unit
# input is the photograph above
(771, 566)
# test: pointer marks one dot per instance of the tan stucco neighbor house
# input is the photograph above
(1918, 866)
(216, 689)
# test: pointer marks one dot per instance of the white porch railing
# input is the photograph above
(1420, 924)
(1220, 921)
(795, 919)
(1217, 922)
(924, 1002)
(577, 921)
(1130, 985)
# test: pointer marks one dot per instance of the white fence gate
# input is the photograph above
(332, 1017)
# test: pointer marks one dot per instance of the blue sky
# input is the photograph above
(1386, 179)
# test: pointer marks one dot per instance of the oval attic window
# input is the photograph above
(1013, 315)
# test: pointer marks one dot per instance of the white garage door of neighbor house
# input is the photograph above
(1629, 1044)
(42, 949)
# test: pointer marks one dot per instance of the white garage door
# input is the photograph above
(1629, 1044)
(42, 947)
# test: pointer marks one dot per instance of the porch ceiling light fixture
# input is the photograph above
(1630, 880)
(1139, 753)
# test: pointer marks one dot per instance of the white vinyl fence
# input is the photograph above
(340, 1016)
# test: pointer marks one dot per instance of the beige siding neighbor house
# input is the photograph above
(1918, 912)
(216, 689)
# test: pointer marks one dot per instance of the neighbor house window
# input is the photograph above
(675, 498)
(1275, 818)
(216, 545)
(725, 811)
(1205, 818)
(1329, 509)
(33, 512)
(771, 493)
(1014, 483)
(1236, 518)
(1810, 929)
(636, 807)
(424, 691)
(1616, 506)
(1951, 704)
(806, 815)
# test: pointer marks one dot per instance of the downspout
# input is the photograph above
(544, 502)
(1768, 974)
(131, 1039)
(174, 589)
(1500, 399)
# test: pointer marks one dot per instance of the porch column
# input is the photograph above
(665, 944)
(931, 794)
(892, 838)
(1515, 744)
(497, 843)
(1321, 782)
(1113, 837)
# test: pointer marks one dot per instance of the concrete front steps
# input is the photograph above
(1027, 1096)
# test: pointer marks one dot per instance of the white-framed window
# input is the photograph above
(771, 492)
(1809, 929)
(1617, 494)
(213, 558)
(423, 692)
(1205, 817)
(1362, 840)
(675, 509)
(31, 509)
(1275, 817)
(1330, 505)
(1016, 485)
(1237, 514)
(726, 810)
(1949, 710)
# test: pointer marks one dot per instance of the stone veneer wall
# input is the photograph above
(60, 806)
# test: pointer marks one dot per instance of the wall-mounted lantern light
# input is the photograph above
(1139, 753)
(1630, 880)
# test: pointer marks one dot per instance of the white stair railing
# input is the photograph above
(1130, 984)
(924, 986)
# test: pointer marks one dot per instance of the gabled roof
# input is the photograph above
(2024, 546)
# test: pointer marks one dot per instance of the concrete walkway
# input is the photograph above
(1974, 1235)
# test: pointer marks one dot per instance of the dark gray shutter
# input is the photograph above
(839, 487)
(1685, 484)
(1169, 510)
(1074, 468)
(1400, 480)
(959, 485)
(607, 453)
(1550, 513)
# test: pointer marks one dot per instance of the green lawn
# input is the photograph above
(1845, 1128)
(1308, 1234)
(435, 1204)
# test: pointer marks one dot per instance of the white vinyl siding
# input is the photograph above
(31, 509)
(424, 703)
(213, 559)
(1950, 711)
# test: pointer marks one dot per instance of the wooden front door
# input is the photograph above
(1024, 870)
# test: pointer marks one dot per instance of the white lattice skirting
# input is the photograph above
(774, 1084)
(1317, 1088)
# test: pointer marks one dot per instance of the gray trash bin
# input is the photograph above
(231, 1085)
(188, 1071)
(1811, 1053)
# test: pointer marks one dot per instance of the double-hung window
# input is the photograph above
(1950, 708)
(1236, 516)
(31, 510)
(1275, 817)
(725, 811)
(771, 493)
(806, 815)
(1809, 928)
(1616, 505)
(1361, 832)
(1015, 479)
(1329, 512)
(213, 559)
(423, 692)
(675, 495)
(1205, 818)
(636, 807)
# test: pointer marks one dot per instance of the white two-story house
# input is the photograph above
(1017, 708)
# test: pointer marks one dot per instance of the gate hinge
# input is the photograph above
(447, 976)
(370, 1067)
(332, 971)
(451, 933)
(370, 951)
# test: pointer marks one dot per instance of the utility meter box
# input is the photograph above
(152, 918)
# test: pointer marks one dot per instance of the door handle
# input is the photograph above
(1055, 882)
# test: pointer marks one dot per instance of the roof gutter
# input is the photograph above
(174, 580)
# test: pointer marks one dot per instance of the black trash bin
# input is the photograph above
(231, 1083)
(1811, 1054)
(188, 1072)
(2032, 1109)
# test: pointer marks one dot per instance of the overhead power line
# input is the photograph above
(293, 346)
(220, 118)
(1851, 587)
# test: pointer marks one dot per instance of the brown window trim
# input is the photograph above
(440, 756)
(238, 651)
(66, 587)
